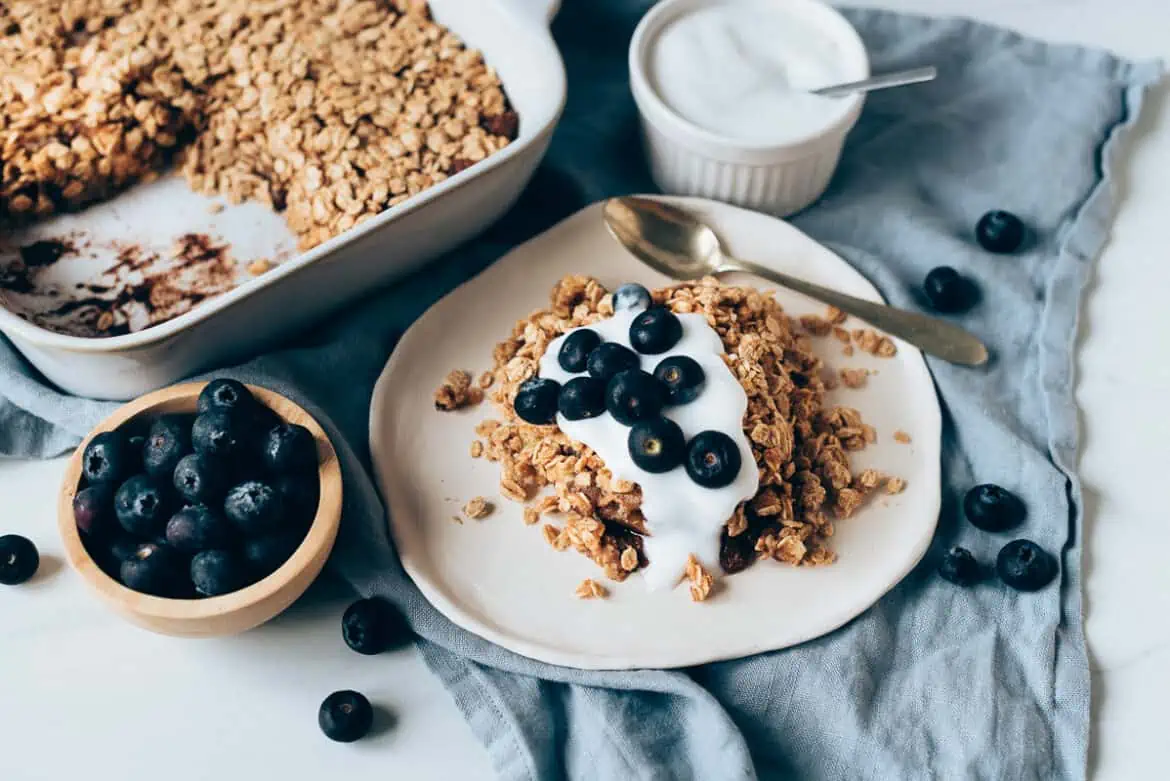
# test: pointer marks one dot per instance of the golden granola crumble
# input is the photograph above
(456, 392)
(902, 437)
(259, 266)
(835, 315)
(478, 508)
(476, 448)
(700, 580)
(591, 589)
(854, 378)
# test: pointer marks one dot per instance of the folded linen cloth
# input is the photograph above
(933, 681)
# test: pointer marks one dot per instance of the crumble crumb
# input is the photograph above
(854, 378)
(215, 208)
(701, 580)
(895, 485)
(259, 266)
(835, 316)
(478, 508)
(476, 448)
(591, 589)
(456, 392)
(487, 379)
(847, 350)
(902, 437)
(817, 326)
(629, 559)
(531, 516)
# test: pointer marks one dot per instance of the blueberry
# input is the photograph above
(219, 434)
(142, 507)
(656, 445)
(634, 395)
(106, 458)
(682, 377)
(152, 569)
(298, 498)
(216, 572)
(345, 716)
(371, 626)
(254, 507)
(225, 395)
(713, 459)
(655, 331)
(19, 559)
(575, 349)
(123, 546)
(93, 510)
(200, 480)
(610, 358)
(265, 555)
(959, 567)
(631, 296)
(582, 397)
(536, 400)
(289, 449)
(993, 509)
(1000, 232)
(197, 527)
(1025, 566)
(135, 445)
(168, 441)
(947, 291)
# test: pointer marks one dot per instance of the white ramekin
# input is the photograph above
(780, 179)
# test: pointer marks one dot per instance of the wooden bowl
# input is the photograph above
(231, 613)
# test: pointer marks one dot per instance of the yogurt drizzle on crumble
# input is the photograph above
(682, 516)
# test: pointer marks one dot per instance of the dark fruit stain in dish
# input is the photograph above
(46, 252)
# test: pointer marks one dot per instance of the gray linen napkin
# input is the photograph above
(932, 682)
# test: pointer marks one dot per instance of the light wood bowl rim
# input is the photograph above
(317, 543)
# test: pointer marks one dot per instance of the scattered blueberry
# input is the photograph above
(200, 480)
(298, 499)
(575, 349)
(655, 331)
(993, 509)
(536, 400)
(106, 458)
(289, 449)
(225, 395)
(1000, 231)
(168, 441)
(610, 358)
(682, 377)
(634, 395)
(631, 296)
(93, 510)
(254, 507)
(219, 434)
(582, 397)
(197, 527)
(265, 555)
(656, 445)
(713, 459)
(151, 569)
(216, 572)
(345, 716)
(371, 626)
(19, 559)
(959, 567)
(1025, 566)
(141, 506)
(947, 291)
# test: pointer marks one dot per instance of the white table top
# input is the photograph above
(84, 695)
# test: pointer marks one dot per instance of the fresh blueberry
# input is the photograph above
(947, 291)
(959, 567)
(656, 445)
(197, 527)
(993, 509)
(122, 546)
(999, 231)
(634, 395)
(575, 349)
(268, 553)
(168, 441)
(152, 569)
(289, 449)
(216, 572)
(610, 358)
(631, 296)
(142, 506)
(106, 458)
(200, 480)
(254, 508)
(371, 626)
(655, 331)
(298, 498)
(713, 459)
(225, 395)
(93, 510)
(1025, 566)
(582, 397)
(536, 400)
(135, 446)
(682, 377)
(345, 716)
(19, 559)
(219, 434)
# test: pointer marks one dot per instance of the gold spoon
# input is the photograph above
(676, 243)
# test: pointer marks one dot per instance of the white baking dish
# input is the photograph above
(514, 37)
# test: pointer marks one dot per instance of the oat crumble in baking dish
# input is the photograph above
(801, 444)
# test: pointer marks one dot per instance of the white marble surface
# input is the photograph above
(84, 695)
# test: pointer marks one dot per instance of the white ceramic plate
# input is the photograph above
(499, 579)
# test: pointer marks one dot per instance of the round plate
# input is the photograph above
(499, 579)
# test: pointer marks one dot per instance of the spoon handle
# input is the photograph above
(884, 81)
(930, 334)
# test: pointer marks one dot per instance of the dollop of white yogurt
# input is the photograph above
(743, 70)
(683, 517)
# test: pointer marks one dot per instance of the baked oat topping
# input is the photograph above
(478, 508)
(701, 581)
(854, 378)
(456, 392)
(902, 437)
(591, 589)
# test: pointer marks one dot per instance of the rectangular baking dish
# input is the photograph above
(515, 39)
